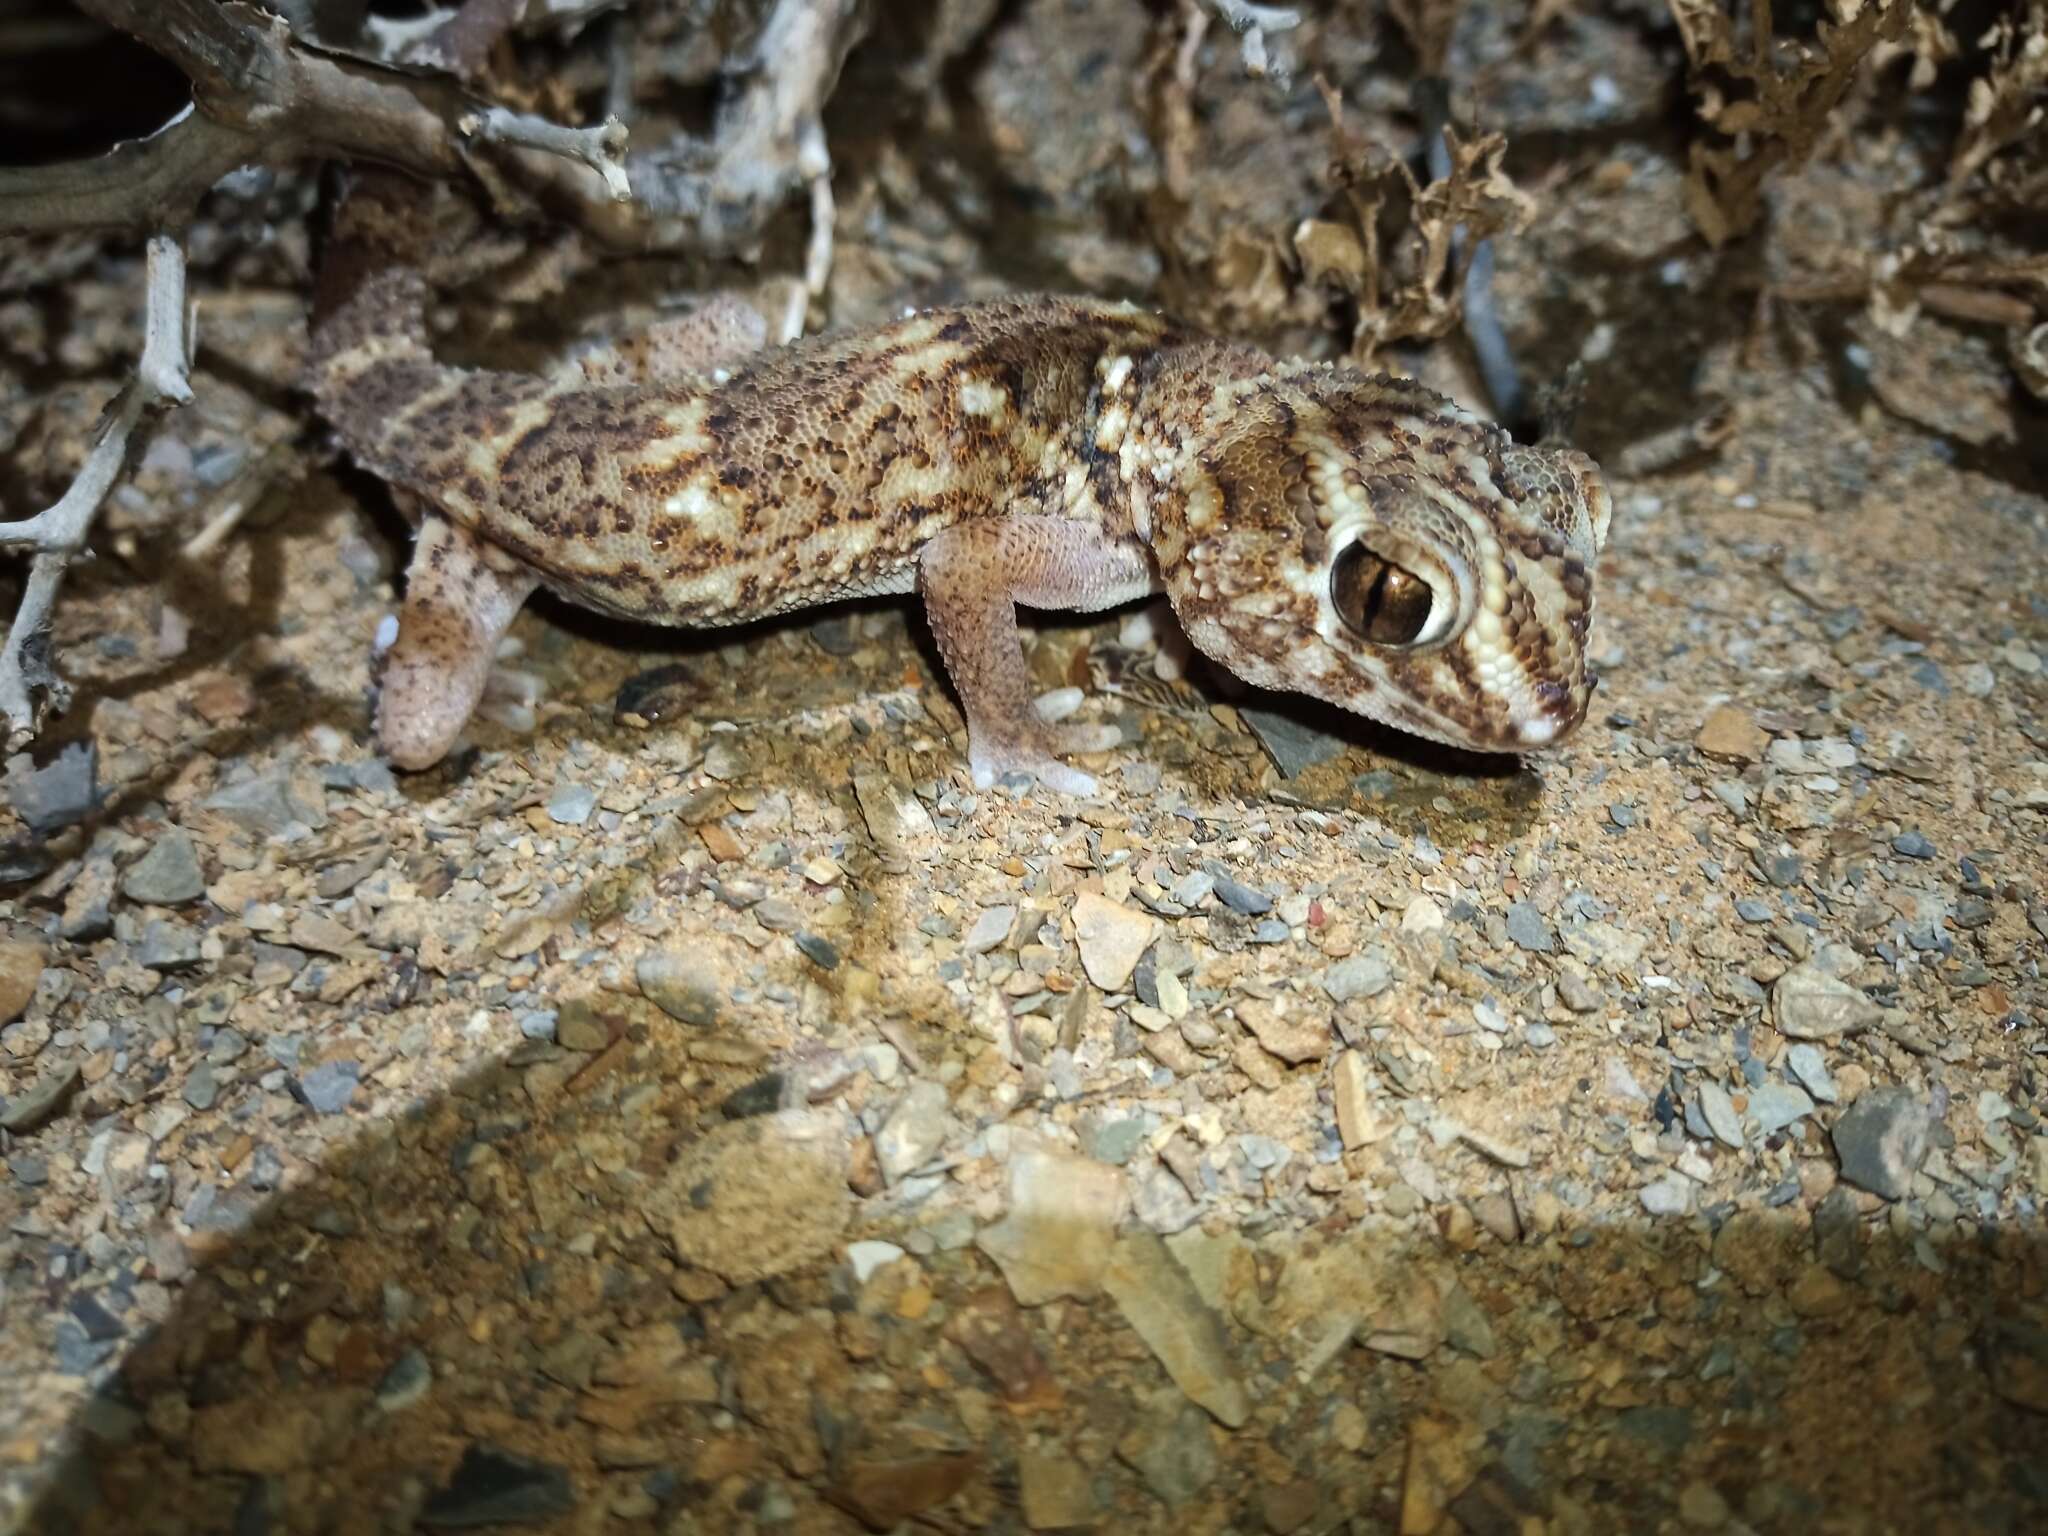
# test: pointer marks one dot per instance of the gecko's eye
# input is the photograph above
(1379, 600)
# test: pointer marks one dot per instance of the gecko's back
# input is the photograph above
(812, 472)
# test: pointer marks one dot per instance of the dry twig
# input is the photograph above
(28, 682)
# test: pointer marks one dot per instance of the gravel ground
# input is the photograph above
(696, 1110)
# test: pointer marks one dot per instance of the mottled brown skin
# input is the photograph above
(1058, 452)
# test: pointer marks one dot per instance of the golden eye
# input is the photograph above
(1380, 600)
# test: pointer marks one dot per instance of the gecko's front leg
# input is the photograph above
(972, 576)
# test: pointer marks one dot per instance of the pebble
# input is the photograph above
(406, 1382)
(1242, 899)
(63, 791)
(1912, 845)
(1295, 748)
(494, 1487)
(168, 874)
(1808, 1003)
(1882, 1139)
(168, 945)
(201, 1087)
(870, 1255)
(571, 804)
(1577, 993)
(21, 972)
(1365, 974)
(1351, 1083)
(328, 1088)
(266, 805)
(1669, 1196)
(1293, 1039)
(821, 952)
(676, 984)
(1111, 938)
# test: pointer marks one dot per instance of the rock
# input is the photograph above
(406, 1382)
(1293, 1040)
(1295, 748)
(1777, 1105)
(31, 1110)
(1056, 1490)
(1882, 1139)
(915, 1130)
(21, 971)
(1721, 1118)
(494, 1487)
(897, 820)
(679, 986)
(1111, 937)
(991, 928)
(1838, 1233)
(1806, 1063)
(579, 1024)
(1172, 1448)
(1056, 1238)
(328, 1088)
(884, 1494)
(1730, 734)
(201, 1087)
(1527, 929)
(757, 1197)
(1365, 974)
(266, 805)
(868, 1256)
(1669, 1196)
(1160, 1302)
(1435, 1470)
(1357, 1123)
(1808, 1003)
(168, 875)
(1287, 1507)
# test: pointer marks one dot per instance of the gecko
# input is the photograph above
(1355, 537)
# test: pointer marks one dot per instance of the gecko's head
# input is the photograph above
(1414, 566)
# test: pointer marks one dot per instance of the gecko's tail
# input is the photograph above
(369, 351)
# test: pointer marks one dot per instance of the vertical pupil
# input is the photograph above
(1382, 601)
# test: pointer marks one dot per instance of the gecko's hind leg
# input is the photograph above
(461, 595)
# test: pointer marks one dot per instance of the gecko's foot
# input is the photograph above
(1038, 756)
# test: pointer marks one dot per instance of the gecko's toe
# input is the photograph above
(989, 766)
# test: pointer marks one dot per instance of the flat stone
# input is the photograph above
(1729, 733)
(494, 1487)
(29, 1111)
(1160, 1302)
(328, 1087)
(1171, 1449)
(991, 927)
(1721, 1118)
(1882, 1139)
(1295, 748)
(1056, 1238)
(1358, 1124)
(884, 1493)
(168, 945)
(1777, 1105)
(1112, 937)
(1805, 1062)
(1577, 993)
(1528, 929)
(1808, 1003)
(914, 1132)
(168, 875)
(755, 1198)
(1242, 899)
(1056, 1490)
(61, 792)
(679, 986)
(571, 804)
(1293, 1039)
(266, 805)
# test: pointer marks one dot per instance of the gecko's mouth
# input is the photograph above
(1383, 601)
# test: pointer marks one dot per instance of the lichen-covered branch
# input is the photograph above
(28, 682)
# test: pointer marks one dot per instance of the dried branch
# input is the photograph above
(28, 683)
(601, 148)
(1251, 23)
